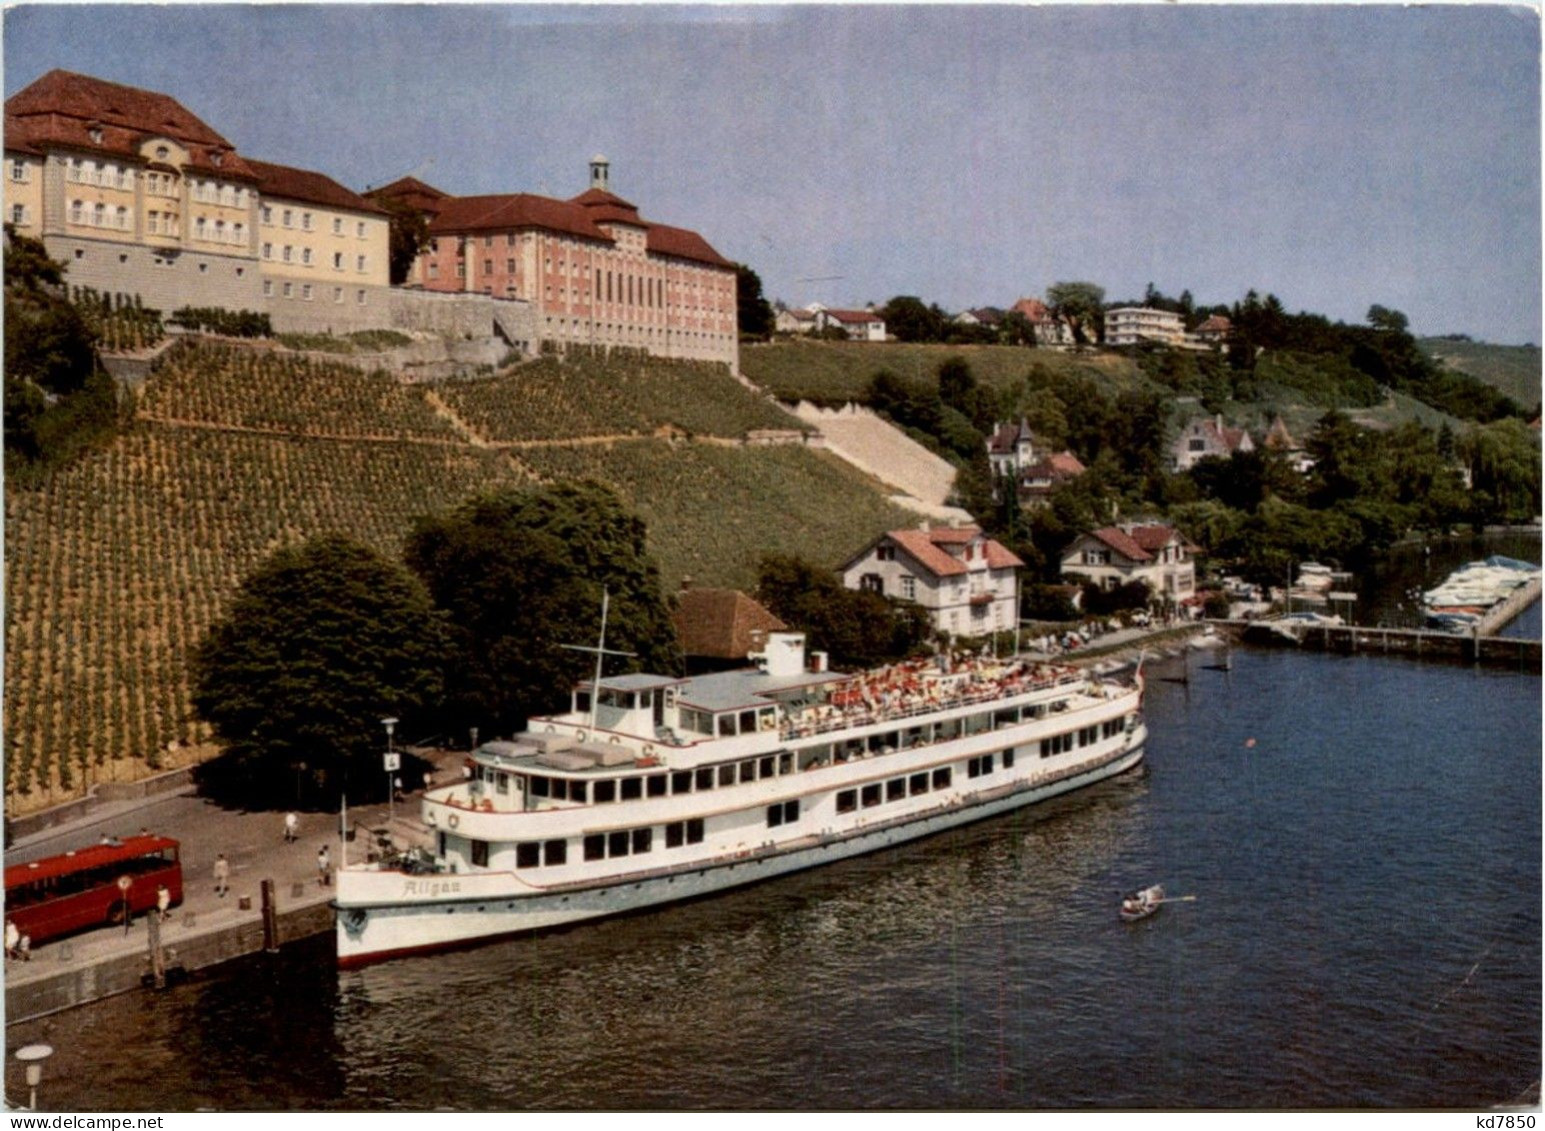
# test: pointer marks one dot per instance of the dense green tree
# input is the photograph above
(1080, 305)
(1504, 461)
(322, 641)
(1016, 330)
(753, 311)
(521, 574)
(909, 319)
(407, 236)
(856, 629)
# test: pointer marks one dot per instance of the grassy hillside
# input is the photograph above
(836, 372)
(116, 565)
(1513, 371)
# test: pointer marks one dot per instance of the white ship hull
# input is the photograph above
(383, 914)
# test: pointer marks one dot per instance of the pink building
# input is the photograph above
(595, 272)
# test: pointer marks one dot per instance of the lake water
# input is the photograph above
(1361, 836)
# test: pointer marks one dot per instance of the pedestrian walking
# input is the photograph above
(291, 827)
(12, 939)
(163, 902)
(324, 867)
(24, 948)
(222, 875)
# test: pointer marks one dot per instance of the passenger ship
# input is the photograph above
(654, 788)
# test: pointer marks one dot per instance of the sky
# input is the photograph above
(1335, 156)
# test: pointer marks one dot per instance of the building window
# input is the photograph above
(337, 294)
(509, 267)
(77, 212)
(359, 229)
(908, 588)
(434, 270)
(305, 256)
(359, 264)
(268, 214)
(18, 214)
(360, 298)
(337, 261)
(337, 225)
(268, 288)
(305, 292)
(18, 170)
(289, 290)
(268, 248)
(305, 220)
(288, 253)
(289, 218)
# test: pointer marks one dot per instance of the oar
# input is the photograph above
(1177, 899)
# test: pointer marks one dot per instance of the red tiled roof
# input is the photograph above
(864, 316)
(926, 547)
(1122, 542)
(409, 191)
(721, 622)
(303, 184)
(1065, 463)
(683, 244)
(1006, 436)
(1154, 537)
(61, 108)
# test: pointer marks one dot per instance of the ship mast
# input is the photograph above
(601, 652)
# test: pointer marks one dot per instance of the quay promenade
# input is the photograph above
(205, 929)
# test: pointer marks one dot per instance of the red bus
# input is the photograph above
(90, 886)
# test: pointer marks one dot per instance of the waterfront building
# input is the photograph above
(1153, 553)
(1130, 325)
(967, 582)
(718, 628)
(594, 271)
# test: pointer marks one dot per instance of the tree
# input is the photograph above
(322, 641)
(856, 629)
(407, 234)
(521, 574)
(754, 312)
(907, 319)
(1080, 305)
(1382, 318)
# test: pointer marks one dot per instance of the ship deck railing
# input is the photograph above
(826, 718)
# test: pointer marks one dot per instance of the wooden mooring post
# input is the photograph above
(270, 919)
(157, 952)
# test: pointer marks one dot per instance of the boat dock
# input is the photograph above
(1481, 646)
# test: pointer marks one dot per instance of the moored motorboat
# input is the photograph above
(1141, 904)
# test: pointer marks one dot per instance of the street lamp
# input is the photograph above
(33, 1057)
(391, 762)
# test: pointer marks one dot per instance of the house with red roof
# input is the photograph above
(1208, 436)
(596, 272)
(1049, 330)
(1037, 481)
(718, 628)
(967, 582)
(1213, 331)
(1153, 553)
(858, 325)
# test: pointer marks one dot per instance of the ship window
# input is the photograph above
(871, 795)
(695, 831)
(540, 787)
(847, 800)
(657, 784)
(561, 789)
(1005, 719)
(555, 852)
(528, 855)
(941, 778)
(726, 725)
(617, 843)
(595, 847)
(643, 840)
(674, 834)
(947, 730)
(791, 811)
(440, 843)
(605, 791)
(681, 781)
(774, 815)
(977, 724)
(705, 778)
(747, 722)
(748, 771)
(895, 789)
(917, 783)
(785, 763)
(502, 783)
(479, 853)
(769, 766)
(632, 789)
(1008, 758)
(727, 774)
(576, 791)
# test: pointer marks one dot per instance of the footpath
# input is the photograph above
(206, 928)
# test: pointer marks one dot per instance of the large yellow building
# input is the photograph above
(137, 196)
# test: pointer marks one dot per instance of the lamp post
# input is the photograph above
(33, 1057)
(391, 763)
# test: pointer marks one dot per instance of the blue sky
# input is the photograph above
(1337, 156)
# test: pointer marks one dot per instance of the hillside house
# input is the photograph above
(1049, 331)
(859, 325)
(718, 628)
(1011, 448)
(1206, 437)
(967, 582)
(1037, 481)
(792, 321)
(1213, 332)
(1130, 325)
(1153, 553)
